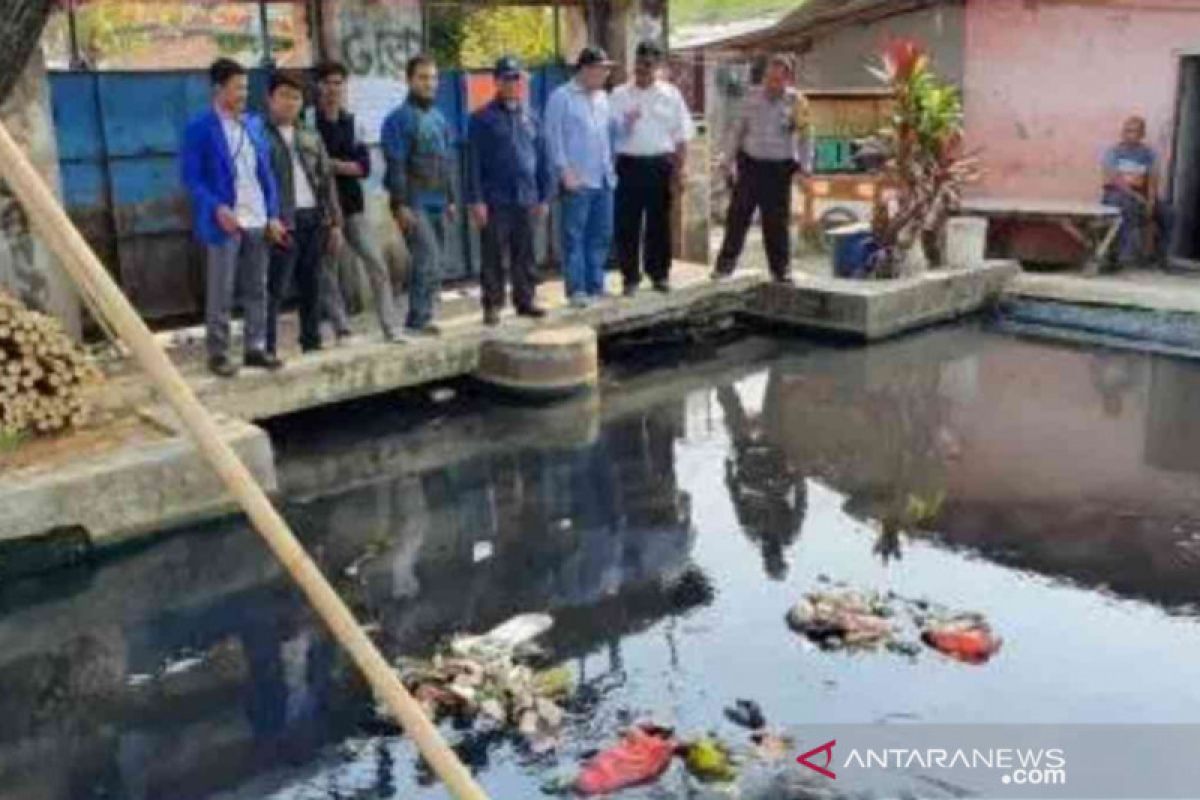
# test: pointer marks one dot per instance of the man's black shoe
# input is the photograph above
(222, 367)
(491, 317)
(663, 287)
(265, 361)
(786, 279)
(630, 290)
(427, 331)
(533, 312)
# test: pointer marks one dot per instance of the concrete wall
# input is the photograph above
(840, 59)
(27, 268)
(1049, 81)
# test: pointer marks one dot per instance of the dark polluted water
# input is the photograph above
(668, 526)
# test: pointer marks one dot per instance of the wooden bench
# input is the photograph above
(1093, 225)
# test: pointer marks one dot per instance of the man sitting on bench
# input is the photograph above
(1130, 180)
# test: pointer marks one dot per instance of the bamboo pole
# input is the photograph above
(106, 299)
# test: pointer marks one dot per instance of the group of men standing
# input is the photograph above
(273, 200)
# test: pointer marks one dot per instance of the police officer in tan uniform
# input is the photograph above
(769, 143)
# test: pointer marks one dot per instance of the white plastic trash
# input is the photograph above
(966, 242)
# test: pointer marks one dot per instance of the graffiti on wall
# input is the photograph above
(375, 40)
(19, 262)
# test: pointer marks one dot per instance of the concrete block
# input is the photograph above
(122, 481)
(544, 361)
(871, 310)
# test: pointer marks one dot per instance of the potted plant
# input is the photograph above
(921, 158)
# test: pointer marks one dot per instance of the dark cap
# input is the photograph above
(593, 57)
(649, 50)
(508, 67)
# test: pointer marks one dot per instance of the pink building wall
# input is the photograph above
(1047, 83)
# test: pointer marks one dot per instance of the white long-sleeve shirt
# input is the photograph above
(663, 123)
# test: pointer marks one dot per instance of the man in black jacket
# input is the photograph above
(351, 164)
(309, 209)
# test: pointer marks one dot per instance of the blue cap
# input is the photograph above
(508, 67)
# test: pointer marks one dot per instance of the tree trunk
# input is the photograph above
(21, 23)
(27, 268)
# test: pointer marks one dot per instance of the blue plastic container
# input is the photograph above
(853, 246)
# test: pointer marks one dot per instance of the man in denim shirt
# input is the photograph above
(420, 183)
(580, 131)
(508, 188)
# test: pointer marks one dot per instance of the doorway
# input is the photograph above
(1183, 236)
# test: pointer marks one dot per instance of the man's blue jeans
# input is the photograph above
(587, 231)
(426, 246)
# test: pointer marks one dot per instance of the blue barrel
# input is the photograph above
(852, 246)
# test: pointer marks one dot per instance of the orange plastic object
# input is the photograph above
(971, 645)
(641, 757)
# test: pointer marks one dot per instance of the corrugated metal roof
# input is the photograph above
(693, 37)
(815, 17)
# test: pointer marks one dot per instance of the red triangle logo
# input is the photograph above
(827, 749)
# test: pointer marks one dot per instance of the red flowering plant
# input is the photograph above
(923, 160)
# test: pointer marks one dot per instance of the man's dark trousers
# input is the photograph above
(301, 262)
(644, 194)
(508, 235)
(765, 186)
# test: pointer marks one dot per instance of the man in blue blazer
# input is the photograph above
(226, 168)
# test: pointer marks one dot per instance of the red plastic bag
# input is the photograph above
(971, 643)
(641, 757)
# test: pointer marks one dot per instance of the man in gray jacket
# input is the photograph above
(309, 209)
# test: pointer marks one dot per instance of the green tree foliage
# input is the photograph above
(476, 38)
(524, 32)
(446, 32)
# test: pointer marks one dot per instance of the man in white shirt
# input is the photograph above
(654, 129)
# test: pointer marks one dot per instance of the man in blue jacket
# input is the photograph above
(226, 167)
(508, 189)
(420, 183)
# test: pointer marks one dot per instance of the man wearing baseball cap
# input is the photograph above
(580, 131)
(508, 187)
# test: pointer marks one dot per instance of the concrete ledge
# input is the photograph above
(340, 374)
(872, 310)
(1174, 333)
(120, 481)
(1142, 291)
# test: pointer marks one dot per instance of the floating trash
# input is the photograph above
(481, 679)
(845, 619)
(968, 639)
(772, 747)
(642, 756)
(504, 641)
(746, 714)
(708, 760)
(482, 551)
